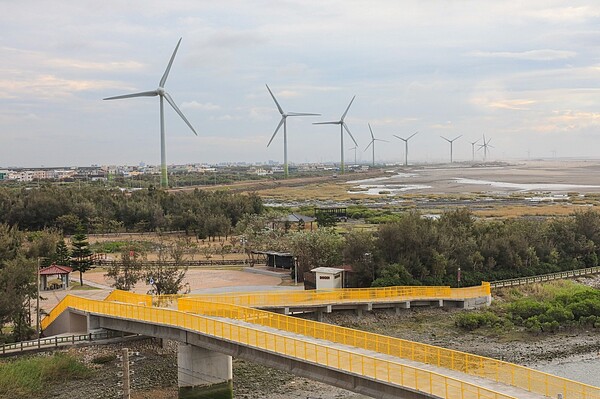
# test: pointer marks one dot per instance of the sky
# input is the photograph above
(523, 73)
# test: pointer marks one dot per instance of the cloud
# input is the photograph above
(516, 104)
(200, 106)
(531, 55)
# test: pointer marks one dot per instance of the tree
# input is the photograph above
(128, 272)
(81, 254)
(62, 255)
(359, 252)
(167, 274)
(322, 247)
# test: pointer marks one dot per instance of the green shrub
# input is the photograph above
(526, 308)
(473, 320)
(586, 307)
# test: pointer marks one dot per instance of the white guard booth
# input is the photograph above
(328, 278)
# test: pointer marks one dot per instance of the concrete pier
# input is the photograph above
(203, 373)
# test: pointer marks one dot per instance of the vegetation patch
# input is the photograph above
(540, 308)
(23, 377)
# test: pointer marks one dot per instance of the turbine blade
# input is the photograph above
(369, 145)
(372, 137)
(326, 123)
(301, 114)
(343, 116)
(176, 108)
(276, 130)
(446, 139)
(274, 99)
(163, 80)
(398, 137)
(385, 141)
(141, 94)
(457, 137)
(348, 130)
(411, 136)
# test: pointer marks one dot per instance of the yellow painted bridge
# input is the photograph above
(373, 364)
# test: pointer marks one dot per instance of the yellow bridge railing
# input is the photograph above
(283, 298)
(367, 366)
(496, 370)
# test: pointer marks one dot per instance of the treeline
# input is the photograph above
(416, 250)
(98, 210)
(425, 251)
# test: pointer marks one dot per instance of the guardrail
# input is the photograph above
(370, 367)
(170, 263)
(545, 277)
(282, 298)
(492, 369)
(56, 341)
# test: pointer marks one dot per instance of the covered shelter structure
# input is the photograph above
(277, 260)
(54, 276)
(294, 221)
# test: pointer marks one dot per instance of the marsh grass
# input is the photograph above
(24, 377)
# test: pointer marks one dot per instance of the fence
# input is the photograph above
(282, 298)
(545, 277)
(492, 369)
(170, 263)
(322, 354)
(55, 341)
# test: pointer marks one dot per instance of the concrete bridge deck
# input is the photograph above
(377, 366)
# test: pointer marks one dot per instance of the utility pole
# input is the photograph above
(126, 386)
(37, 301)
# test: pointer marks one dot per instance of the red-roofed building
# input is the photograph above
(60, 274)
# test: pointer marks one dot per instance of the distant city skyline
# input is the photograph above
(526, 74)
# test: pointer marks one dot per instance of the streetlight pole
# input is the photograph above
(37, 300)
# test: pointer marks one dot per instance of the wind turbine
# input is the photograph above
(372, 143)
(342, 127)
(283, 122)
(485, 146)
(353, 148)
(451, 142)
(160, 91)
(473, 148)
(406, 146)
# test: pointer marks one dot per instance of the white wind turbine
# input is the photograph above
(372, 143)
(160, 91)
(406, 146)
(473, 149)
(283, 122)
(354, 148)
(451, 142)
(342, 127)
(485, 146)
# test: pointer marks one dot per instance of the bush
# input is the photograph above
(527, 308)
(474, 320)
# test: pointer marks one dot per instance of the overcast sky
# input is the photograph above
(524, 73)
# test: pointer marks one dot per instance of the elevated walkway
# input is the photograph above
(375, 365)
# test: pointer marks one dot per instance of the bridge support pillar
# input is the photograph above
(203, 373)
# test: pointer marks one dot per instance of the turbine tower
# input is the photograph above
(283, 122)
(473, 149)
(342, 127)
(160, 91)
(372, 143)
(485, 146)
(451, 142)
(406, 146)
